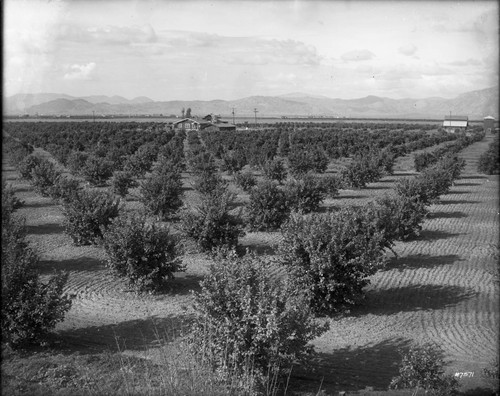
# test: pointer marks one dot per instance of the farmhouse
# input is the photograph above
(453, 124)
(188, 124)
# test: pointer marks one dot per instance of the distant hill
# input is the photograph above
(475, 104)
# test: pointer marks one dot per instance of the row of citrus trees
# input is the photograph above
(244, 315)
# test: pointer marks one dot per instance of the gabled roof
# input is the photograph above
(489, 118)
(456, 118)
(186, 119)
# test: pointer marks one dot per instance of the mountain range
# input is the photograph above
(475, 104)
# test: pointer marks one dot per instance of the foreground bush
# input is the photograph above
(268, 207)
(332, 255)
(247, 318)
(423, 368)
(30, 307)
(146, 254)
(88, 213)
(211, 224)
(161, 193)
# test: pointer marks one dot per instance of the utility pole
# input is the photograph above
(233, 117)
(255, 111)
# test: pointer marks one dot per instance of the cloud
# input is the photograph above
(468, 62)
(358, 55)
(80, 72)
(407, 49)
(107, 35)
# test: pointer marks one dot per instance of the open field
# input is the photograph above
(443, 287)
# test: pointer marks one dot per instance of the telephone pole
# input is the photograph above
(233, 117)
(255, 111)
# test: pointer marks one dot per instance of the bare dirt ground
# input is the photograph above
(442, 288)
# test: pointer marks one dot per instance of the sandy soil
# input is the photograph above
(442, 288)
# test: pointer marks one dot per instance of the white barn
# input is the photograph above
(454, 123)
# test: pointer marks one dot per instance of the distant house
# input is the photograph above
(188, 124)
(209, 122)
(453, 124)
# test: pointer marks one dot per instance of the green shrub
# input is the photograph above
(246, 317)
(161, 193)
(44, 176)
(121, 182)
(201, 162)
(423, 368)
(146, 254)
(97, 170)
(27, 165)
(76, 161)
(302, 161)
(414, 188)
(9, 201)
(489, 162)
(400, 217)
(331, 185)
(304, 194)
(362, 170)
(30, 307)
(15, 151)
(332, 255)
(274, 170)
(87, 213)
(245, 180)
(210, 224)
(233, 161)
(268, 207)
(64, 188)
(206, 182)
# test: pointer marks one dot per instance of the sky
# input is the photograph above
(205, 50)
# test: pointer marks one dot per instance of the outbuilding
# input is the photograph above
(489, 124)
(454, 124)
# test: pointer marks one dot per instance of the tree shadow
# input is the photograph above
(351, 196)
(455, 192)
(447, 215)
(351, 369)
(433, 235)
(468, 184)
(39, 204)
(378, 187)
(456, 202)
(420, 261)
(479, 391)
(137, 334)
(472, 177)
(182, 284)
(23, 189)
(90, 264)
(411, 298)
(45, 229)
(405, 173)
